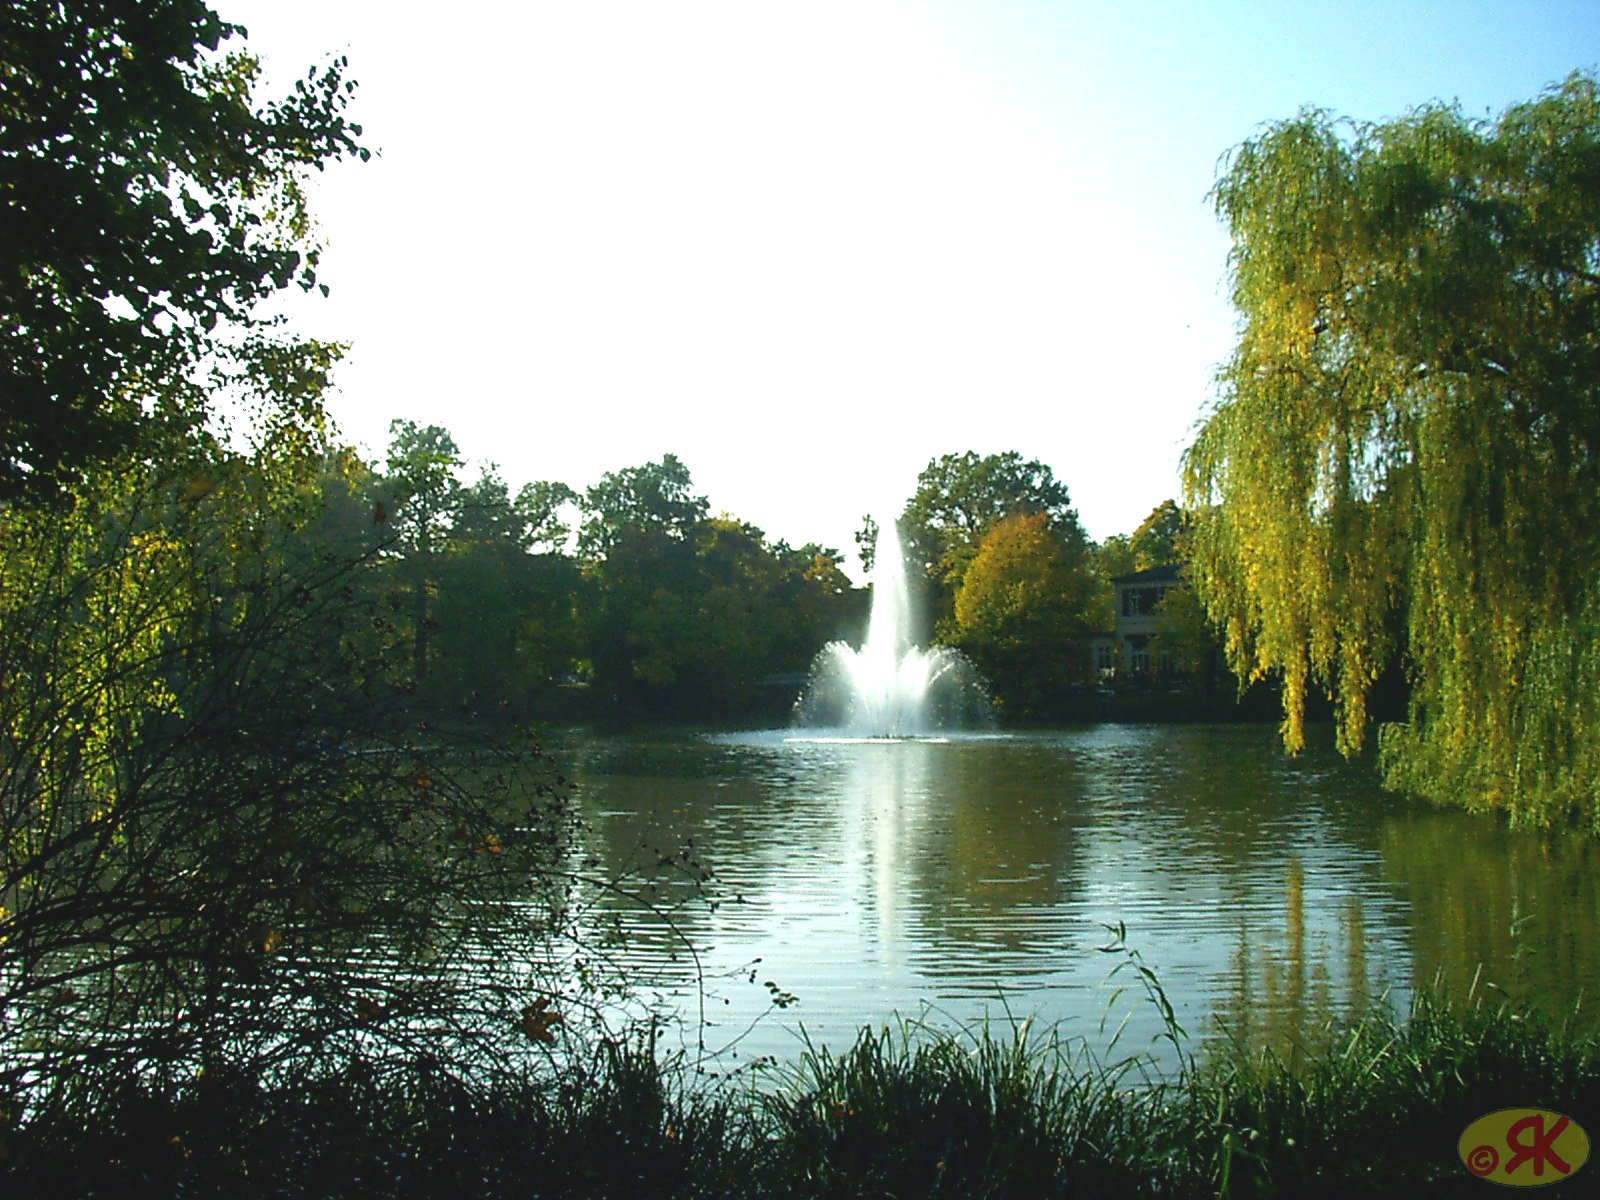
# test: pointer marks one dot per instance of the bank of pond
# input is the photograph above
(771, 702)
(1377, 1107)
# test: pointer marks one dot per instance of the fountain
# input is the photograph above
(890, 687)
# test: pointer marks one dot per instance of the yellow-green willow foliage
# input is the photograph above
(1404, 457)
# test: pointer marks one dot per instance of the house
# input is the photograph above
(1126, 649)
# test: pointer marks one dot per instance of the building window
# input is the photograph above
(1105, 658)
(1142, 601)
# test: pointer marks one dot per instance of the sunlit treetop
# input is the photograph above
(961, 497)
(657, 498)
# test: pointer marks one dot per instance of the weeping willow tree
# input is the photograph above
(1403, 460)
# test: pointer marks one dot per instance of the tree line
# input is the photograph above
(631, 588)
(629, 600)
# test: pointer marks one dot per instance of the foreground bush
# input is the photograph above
(224, 840)
(903, 1113)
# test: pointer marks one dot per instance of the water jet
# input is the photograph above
(891, 688)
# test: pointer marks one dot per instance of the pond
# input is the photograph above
(976, 876)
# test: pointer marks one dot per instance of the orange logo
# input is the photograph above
(1524, 1147)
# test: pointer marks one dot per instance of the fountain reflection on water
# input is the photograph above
(892, 688)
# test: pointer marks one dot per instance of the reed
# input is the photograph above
(1374, 1108)
(913, 1111)
(1377, 1108)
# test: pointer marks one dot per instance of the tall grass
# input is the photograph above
(1378, 1110)
(907, 1111)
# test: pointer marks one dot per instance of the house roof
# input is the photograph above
(1166, 574)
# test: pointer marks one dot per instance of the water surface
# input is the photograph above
(976, 876)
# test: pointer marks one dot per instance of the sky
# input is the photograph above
(809, 246)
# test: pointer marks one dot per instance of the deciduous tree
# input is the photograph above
(1405, 454)
(151, 202)
(220, 847)
(656, 500)
(1023, 612)
(423, 500)
(1156, 543)
(686, 612)
(961, 497)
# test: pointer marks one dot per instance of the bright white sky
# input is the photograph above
(807, 246)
